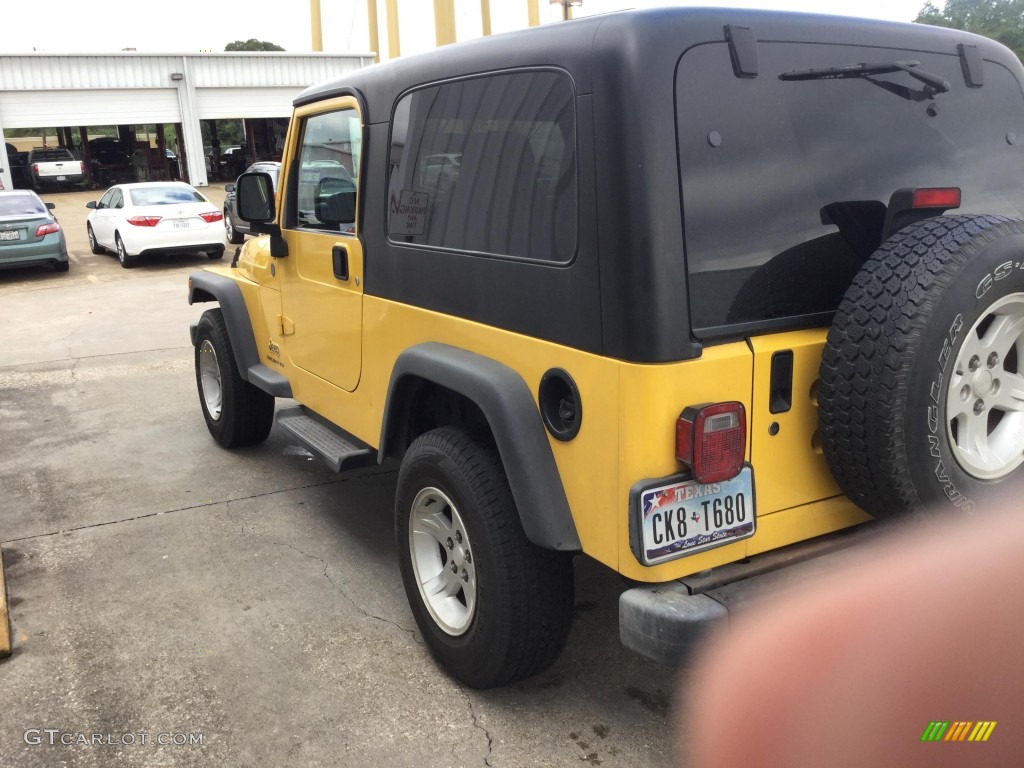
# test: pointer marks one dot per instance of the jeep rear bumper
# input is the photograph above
(667, 622)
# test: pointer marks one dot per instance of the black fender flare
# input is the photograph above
(515, 422)
(206, 286)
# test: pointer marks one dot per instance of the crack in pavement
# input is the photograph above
(241, 524)
(478, 725)
(171, 511)
(346, 595)
(80, 358)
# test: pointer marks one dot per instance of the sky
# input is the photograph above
(190, 26)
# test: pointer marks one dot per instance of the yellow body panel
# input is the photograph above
(794, 451)
(652, 397)
(257, 265)
(322, 312)
(338, 348)
(627, 434)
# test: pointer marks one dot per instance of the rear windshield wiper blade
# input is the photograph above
(933, 83)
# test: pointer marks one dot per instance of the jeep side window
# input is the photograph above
(329, 155)
(487, 165)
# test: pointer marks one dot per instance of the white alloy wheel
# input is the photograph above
(985, 394)
(209, 375)
(442, 561)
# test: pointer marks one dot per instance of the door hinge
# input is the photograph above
(287, 326)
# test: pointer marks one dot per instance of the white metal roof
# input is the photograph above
(48, 71)
(130, 88)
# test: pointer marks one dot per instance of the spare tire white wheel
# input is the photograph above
(921, 401)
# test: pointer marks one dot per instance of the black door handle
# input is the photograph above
(340, 254)
(780, 398)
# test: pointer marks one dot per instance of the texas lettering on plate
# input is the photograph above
(687, 517)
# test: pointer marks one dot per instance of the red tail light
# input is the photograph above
(711, 439)
(946, 197)
(35, 168)
(212, 217)
(47, 229)
(82, 166)
(144, 221)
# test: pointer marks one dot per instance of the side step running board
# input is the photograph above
(340, 450)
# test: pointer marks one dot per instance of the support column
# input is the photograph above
(485, 17)
(533, 11)
(161, 149)
(250, 138)
(183, 164)
(86, 157)
(190, 136)
(444, 22)
(315, 29)
(371, 18)
(394, 47)
(5, 162)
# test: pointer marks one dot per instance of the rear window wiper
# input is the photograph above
(933, 83)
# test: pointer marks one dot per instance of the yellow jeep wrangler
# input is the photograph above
(680, 290)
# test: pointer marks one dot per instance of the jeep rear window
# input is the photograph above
(769, 167)
(487, 165)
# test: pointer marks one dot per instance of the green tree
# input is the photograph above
(252, 44)
(1001, 20)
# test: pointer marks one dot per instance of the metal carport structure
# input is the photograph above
(51, 91)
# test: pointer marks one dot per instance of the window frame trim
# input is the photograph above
(293, 149)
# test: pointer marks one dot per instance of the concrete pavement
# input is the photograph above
(244, 607)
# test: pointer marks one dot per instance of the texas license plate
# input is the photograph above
(685, 517)
(62, 178)
(184, 224)
(11, 234)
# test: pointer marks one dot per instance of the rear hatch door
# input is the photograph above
(786, 178)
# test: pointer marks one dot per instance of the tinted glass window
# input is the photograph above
(117, 199)
(107, 198)
(20, 205)
(786, 181)
(487, 165)
(328, 171)
(164, 196)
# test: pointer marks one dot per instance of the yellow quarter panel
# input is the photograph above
(790, 466)
(588, 464)
(652, 397)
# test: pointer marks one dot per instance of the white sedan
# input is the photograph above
(165, 217)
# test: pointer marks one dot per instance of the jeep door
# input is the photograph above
(323, 288)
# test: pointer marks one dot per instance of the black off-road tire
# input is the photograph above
(524, 594)
(897, 343)
(246, 413)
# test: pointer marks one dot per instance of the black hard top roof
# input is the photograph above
(629, 40)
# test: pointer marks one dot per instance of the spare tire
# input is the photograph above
(921, 399)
